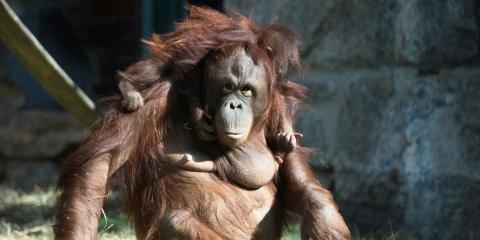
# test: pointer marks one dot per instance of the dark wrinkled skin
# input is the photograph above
(239, 99)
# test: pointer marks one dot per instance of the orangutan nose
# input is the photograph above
(235, 105)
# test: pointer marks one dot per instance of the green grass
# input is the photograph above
(28, 216)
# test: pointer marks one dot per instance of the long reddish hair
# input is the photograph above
(177, 54)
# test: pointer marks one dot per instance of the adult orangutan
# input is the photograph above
(225, 77)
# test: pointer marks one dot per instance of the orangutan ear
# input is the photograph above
(281, 45)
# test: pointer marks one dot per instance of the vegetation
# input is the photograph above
(28, 216)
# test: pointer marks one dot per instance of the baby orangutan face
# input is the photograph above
(236, 91)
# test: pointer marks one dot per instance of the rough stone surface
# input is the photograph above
(346, 34)
(393, 110)
(33, 141)
(413, 142)
(28, 175)
(40, 135)
(10, 101)
(434, 33)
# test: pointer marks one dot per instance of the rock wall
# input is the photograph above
(393, 109)
(33, 141)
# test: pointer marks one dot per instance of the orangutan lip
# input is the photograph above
(234, 134)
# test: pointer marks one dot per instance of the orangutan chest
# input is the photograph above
(250, 167)
(232, 211)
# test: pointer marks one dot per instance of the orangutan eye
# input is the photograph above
(247, 91)
(228, 87)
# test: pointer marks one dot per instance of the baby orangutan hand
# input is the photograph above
(287, 139)
(186, 161)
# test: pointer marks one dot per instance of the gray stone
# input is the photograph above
(359, 34)
(433, 33)
(320, 88)
(36, 134)
(310, 124)
(331, 45)
(326, 28)
(27, 136)
(319, 114)
(10, 102)
(415, 151)
(28, 175)
(260, 10)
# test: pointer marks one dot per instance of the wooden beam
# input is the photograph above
(43, 67)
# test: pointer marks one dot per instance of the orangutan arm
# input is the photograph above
(80, 204)
(306, 199)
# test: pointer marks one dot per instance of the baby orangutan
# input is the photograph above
(201, 119)
(274, 41)
(205, 131)
(201, 122)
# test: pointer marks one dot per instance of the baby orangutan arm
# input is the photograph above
(133, 100)
(135, 78)
(282, 137)
(287, 138)
(188, 162)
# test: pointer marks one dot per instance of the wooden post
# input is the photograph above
(43, 67)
